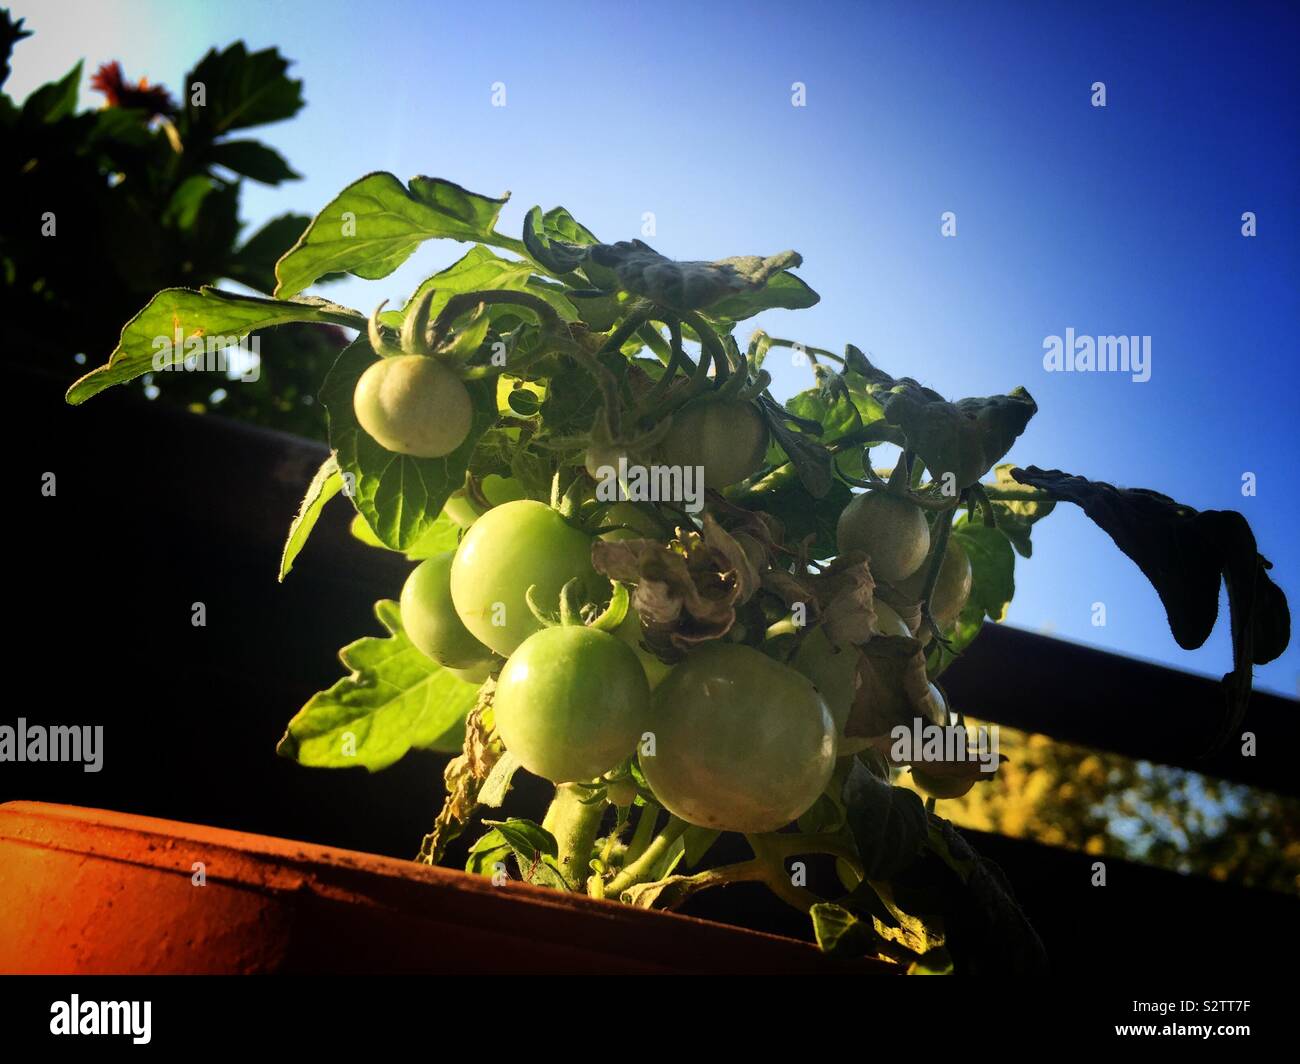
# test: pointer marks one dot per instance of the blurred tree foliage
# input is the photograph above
(106, 207)
(1109, 805)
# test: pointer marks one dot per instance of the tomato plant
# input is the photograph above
(678, 665)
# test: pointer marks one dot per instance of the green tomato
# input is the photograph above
(430, 620)
(571, 703)
(892, 532)
(952, 588)
(888, 622)
(475, 674)
(640, 524)
(497, 490)
(728, 438)
(508, 549)
(632, 633)
(413, 405)
(832, 670)
(741, 742)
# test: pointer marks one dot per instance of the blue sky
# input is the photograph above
(1117, 220)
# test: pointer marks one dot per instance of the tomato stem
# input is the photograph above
(574, 824)
(640, 870)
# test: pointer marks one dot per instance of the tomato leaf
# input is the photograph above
(811, 459)
(888, 823)
(327, 483)
(399, 496)
(1015, 517)
(840, 933)
(687, 286)
(373, 225)
(993, 568)
(964, 439)
(395, 699)
(479, 269)
(556, 239)
(1185, 554)
(240, 89)
(219, 319)
(254, 159)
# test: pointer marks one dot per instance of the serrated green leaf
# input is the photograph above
(783, 291)
(993, 567)
(240, 89)
(399, 496)
(373, 225)
(394, 700)
(327, 483)
(1016, 517)
(888, 823)
(254, 159)
(556, 239)
(737, 283)
(177, 315)
(839, 933)
(478, 270)
(489, 851)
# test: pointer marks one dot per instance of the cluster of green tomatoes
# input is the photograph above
(728, 737)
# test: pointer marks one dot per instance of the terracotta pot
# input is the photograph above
(90, 891)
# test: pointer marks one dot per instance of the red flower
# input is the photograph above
(121, 93)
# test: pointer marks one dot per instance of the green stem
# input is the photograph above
(775, 875)
(643, 867)
(574, 825)
(644, 832)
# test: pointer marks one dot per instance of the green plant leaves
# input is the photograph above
(1016, 516)
(889, 824)
(253, 159)
(55, 100)
(239, 89)
(556, 239)
(479, 269)
(327, 483)
(178, 320)
(395, 699)
(993, 566)
(534, 849)
(839, 933)
(736, 285)
(961, 440)
(373, 226)
(1185, 554)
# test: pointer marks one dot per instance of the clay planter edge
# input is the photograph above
(98, 892)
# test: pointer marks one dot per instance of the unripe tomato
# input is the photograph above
(951, 590)
(832, 670)
(571, 703)
(728, 438)
(509, 548)
(413, 405)
(430, 620)
(742, 742)
(475, 674)
(631, 632)
(892, 532)
(640, 525)
(888, 622)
